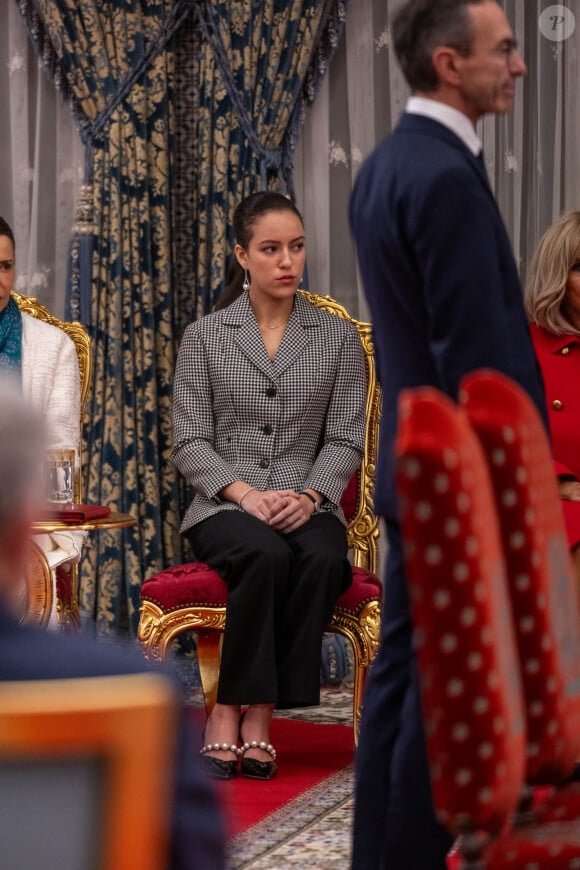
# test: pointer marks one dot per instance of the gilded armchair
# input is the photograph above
(192, 597)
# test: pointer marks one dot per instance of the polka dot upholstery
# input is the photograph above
(470, 682)
(562, 804)
(541, 579)
(554, 846)
(464, 637)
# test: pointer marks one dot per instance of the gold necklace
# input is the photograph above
(267, 325)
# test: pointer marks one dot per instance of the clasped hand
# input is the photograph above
(284, 509)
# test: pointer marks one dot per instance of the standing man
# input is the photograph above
(445, 299)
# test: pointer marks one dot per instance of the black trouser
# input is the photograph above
(281, 593)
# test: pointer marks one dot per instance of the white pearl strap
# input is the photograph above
(215, 747)
(254, 744)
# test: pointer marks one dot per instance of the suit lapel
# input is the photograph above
(298, 334)
(248, 338)
(246, 334)
(411, 123)
(293, 342)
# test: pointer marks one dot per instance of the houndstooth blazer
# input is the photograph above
(293, 422)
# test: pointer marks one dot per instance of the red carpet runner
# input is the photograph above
(307, 754)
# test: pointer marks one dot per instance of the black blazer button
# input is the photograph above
(267, 430)
(263, 463)
(271, 392)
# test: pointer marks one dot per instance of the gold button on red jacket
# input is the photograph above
(559, 359)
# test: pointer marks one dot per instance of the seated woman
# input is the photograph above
(553, 304)
(269, 423)
(45, 361)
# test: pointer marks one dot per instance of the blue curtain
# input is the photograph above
(247, 69)
(252, 68)
(111, 61)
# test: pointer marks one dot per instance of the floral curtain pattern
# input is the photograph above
(93, 47)
(257, 63)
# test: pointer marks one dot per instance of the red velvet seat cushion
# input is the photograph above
(470, 684)
(349, 498)
(196, 584)
(541, 580)
(365, 587)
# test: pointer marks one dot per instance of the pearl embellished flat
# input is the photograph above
(217, 768)
(251, 768)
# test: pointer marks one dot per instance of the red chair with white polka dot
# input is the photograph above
(542, 581)
(465, 642)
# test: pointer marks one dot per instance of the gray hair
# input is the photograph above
(421, 26)
(22, 443)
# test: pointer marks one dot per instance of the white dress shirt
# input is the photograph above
(451, 118)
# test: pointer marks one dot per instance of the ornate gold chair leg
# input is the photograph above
(39, 589)
(69, 617)
(208, 656)
(360, 675)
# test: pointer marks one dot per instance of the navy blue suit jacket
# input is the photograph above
(27, 653)
(439, 275)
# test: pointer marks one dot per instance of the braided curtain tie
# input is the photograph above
(276, 160)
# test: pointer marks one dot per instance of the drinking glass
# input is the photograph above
(61, 475)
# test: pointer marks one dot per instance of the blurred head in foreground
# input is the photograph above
(21, 446)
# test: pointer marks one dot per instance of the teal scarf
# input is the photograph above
(11, 338)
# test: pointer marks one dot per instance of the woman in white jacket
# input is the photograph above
(44, 359)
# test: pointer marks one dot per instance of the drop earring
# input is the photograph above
(246, 284)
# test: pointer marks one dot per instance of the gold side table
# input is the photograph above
(69, 615)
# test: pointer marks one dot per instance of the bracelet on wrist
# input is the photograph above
(244, 494)
(312, 499)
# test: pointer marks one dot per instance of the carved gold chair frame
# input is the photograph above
(39, 593)
(157, 628)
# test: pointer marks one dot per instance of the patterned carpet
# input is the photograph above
(314, 830)
(311, 832)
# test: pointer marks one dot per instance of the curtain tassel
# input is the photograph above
(84, 224)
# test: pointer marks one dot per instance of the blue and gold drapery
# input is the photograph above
(110, 59)
(256, 65)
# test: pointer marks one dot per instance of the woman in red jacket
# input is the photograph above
(553, 303)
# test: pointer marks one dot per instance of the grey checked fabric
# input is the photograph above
(293, 422)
